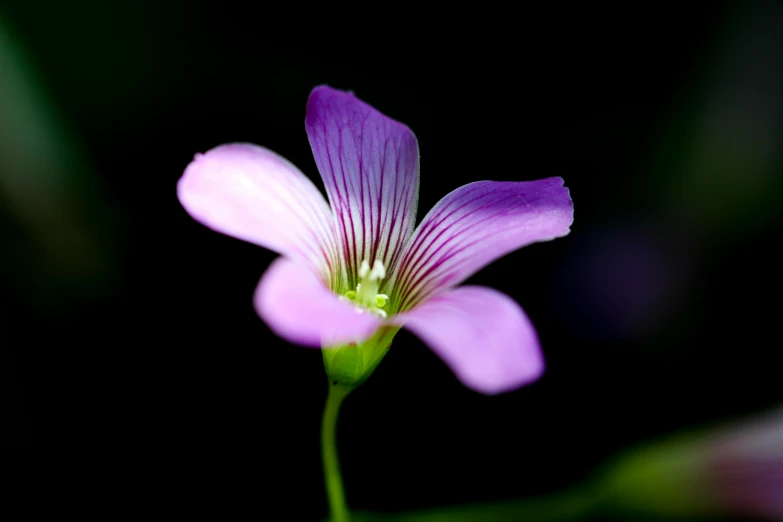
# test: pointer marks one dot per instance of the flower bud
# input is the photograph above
(746, 468)
(729, 471)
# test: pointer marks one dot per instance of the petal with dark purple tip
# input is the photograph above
(370, 167)
(482, 335)
(251, 193)
(474, 225)
(296, 305)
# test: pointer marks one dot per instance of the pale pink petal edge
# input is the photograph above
(482, 335)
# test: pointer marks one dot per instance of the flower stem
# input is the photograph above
(334, 483)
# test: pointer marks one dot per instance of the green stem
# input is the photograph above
(334, 482)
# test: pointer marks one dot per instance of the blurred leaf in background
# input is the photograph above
(719, 160)
(59, 226)
(58, 230)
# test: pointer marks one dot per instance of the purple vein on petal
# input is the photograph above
(426, 270)
(338, 198)
(346, 204)
(452, 234)
(422, 241)
(429, 278)
(474, 225)
(379, 215)
(369, 164)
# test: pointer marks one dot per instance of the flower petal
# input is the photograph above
(297, 306)
(251, 193)
(474, 225)
(370, 167)
(482, 335)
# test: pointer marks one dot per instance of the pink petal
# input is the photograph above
(370, 167)
(296, 305)
(482, 335)
(474, 225)
(251, 193)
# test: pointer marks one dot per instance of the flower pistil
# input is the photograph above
(366, 296)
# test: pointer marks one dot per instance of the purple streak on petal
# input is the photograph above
(251, 193)
(483, 336)
(474, 225)
(296, 305)
(370, 167)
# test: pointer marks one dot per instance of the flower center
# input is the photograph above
(366, 296)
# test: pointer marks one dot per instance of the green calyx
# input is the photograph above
(349, 365)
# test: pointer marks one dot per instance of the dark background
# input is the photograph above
(134, 324)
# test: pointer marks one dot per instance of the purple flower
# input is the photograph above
(354, 271)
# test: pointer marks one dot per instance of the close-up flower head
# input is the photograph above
(356, 269)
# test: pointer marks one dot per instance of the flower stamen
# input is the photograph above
(366, 296)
